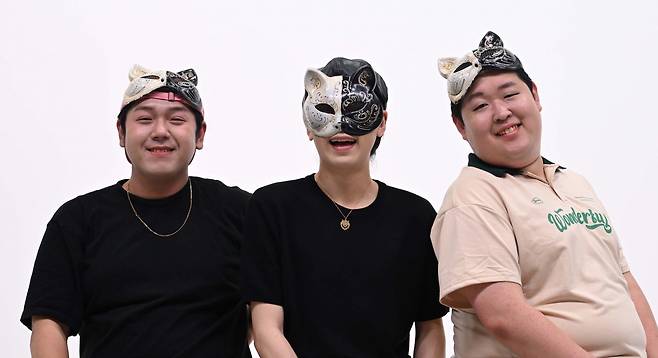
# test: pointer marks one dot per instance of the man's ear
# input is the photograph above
(535, 95)
(459, 123)
(122, 134)
(382, 126)
(201, 133)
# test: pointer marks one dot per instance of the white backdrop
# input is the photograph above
(65, 67)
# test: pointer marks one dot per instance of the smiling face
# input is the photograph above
(160, 138)
(502, 120)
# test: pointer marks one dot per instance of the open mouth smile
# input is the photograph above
(342, 142)
(160, 149)
(508, 130)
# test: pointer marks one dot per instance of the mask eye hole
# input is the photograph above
(151, 77)
(325, 108)
(463, 66)
(354, 106)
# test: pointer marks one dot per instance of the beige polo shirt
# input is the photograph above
(553, 238)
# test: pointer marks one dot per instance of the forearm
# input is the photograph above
(504, 311)
(269, 340)
(273, 344)
(430, 339)
(48, 339)
(529, 333)
(646, 316)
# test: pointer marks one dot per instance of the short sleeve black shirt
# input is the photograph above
(344, 293)
(129, 293)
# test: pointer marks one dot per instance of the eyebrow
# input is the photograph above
(505, 85)
(143, 107)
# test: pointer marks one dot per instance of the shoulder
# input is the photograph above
(215, 188)
(413, 204)
(474, 187)
(284, 190)
(477, 189)
(573, 178)
(86, 203)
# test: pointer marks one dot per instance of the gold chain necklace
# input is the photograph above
(189, 210)
(344, 222)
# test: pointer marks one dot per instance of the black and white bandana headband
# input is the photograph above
(461, 73)
(345, 104)
(144, 81)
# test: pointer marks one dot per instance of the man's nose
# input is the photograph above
(502, 111)
(160, 128)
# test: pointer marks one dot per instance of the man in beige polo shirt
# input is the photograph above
(528, 257)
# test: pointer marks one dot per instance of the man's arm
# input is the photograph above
(430, 339)
(48, 338)
(268, 331)
(504, 311)
(646, 316)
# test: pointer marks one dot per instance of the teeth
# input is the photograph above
(508, 130)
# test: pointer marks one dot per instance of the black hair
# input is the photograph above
(198, 118)
(340, 66)
(456, 108)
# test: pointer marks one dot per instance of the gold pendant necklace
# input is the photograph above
(189, 210)
(344, 224)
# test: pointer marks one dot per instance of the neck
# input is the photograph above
(351, 189)
(536, 168)
(150, 187)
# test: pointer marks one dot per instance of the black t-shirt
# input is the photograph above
(130, 293)
(351, 293)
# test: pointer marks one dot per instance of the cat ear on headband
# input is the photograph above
(189, 75)
(447, 65)
(137, 71)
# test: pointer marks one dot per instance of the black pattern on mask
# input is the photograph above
(360, 105)
(492, 54)
(184, 83)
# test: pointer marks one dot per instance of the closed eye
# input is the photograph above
(511, 95)
(479, 107)
(325, 108)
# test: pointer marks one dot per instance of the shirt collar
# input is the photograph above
(475, 162)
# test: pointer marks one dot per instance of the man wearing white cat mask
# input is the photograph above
(147, 267)
(528, 258)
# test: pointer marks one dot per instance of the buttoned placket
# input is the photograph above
(549, 172)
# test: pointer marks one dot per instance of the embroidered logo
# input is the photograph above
(536, 201)
(590, 219)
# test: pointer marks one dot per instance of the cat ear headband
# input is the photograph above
(181, 85)
(342, 103)
(490, 55)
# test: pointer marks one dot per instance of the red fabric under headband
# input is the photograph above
(169, 96)
(166, 96)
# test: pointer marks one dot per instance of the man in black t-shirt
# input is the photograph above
(337, 264)
(147, 267)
